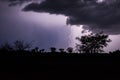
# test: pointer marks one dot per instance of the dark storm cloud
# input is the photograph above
(15, 2)
(98, 16)
(19, 2)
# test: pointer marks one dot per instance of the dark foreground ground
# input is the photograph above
(59, 66)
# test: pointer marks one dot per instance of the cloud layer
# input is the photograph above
(104, 16)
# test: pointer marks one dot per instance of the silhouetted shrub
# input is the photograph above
(61, 50)
(69, 49)
(117, 52)
(42, 50)
(35, 50)
(53, 49)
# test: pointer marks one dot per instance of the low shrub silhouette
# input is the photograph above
(70, 50)
(61, 50)
(42, 50)
(53, 49)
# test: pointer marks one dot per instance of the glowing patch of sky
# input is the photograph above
(100, 1)
(114, 45)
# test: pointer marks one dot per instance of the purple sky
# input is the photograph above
(47, 28)
(42, 29)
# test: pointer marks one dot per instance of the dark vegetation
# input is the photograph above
(19, 62)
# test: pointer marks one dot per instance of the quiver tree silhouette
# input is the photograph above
(93, 43)
(53, 49)
(69, 49)
(21, 45)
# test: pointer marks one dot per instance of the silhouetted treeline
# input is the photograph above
(61, 52)
(91, 44)
(60, 64)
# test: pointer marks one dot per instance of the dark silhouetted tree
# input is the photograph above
(93, 43)
(69, 49)
(21, 45)
(53, 49)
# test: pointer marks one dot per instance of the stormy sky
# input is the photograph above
(56, 23)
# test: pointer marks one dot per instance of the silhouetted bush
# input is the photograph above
(42, 50)
(117, 52)
(35, 50)
(69, 49)
(53, 49)
(61, 50)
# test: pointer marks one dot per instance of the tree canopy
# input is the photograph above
(93, 43)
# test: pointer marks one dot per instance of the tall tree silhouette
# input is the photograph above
(93, 43)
